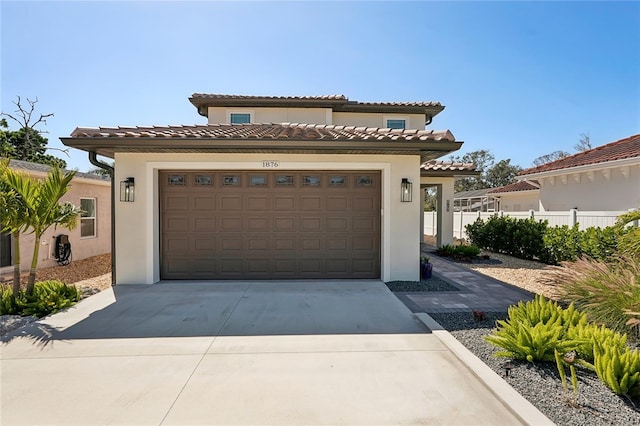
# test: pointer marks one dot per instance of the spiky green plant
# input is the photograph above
(618, 367)
(534, 330)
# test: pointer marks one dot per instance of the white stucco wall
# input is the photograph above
(445, 187)
(137, 224)
(81, 248)
(519, 201)
(606, 189)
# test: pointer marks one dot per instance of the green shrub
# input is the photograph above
(467, 250)
(48, 297)
(446, 250)
(533, 331)
(7, 301)
(516, 237)
(618, 367)
(561, 243)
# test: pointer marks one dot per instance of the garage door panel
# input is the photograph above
(269, 225)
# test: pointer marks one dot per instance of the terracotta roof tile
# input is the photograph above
(290, 131)
(619, 150)
(43, 168)
(336, 99)
(434, 165)
(516, 187)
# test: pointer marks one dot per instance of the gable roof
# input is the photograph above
(338, 103)
(28, 166)
(619, 150)
(524, 185)
(268, 137)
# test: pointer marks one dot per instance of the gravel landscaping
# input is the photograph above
(540, 383)
(433, 284)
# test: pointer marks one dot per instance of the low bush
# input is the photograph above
(48, 297)
(463, 251)
(516, 237)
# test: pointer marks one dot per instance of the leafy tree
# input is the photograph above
(502, 173)
(41, 207)
(98, 171)
(27, 143)
(430, 200)
(492, 174)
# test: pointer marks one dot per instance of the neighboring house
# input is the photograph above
(516, 197)
(477, 200)
(276, 188)
(606, 178)
(91, 237)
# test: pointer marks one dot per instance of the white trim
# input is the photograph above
(94, 217)
(152, 236)
(241, 111)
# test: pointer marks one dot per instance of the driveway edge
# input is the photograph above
(509, 397)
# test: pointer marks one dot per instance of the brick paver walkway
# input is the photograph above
(477, 291)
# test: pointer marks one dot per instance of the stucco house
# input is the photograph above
(516, 197)
(313, 187)
(92, 236)
(605, 178)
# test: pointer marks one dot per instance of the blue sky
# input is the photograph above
(520, 79)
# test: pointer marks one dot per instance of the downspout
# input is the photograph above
(429, 120)
(93, 159)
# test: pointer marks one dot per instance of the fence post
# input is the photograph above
(573, 217)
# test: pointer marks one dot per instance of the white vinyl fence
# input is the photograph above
(584, 219)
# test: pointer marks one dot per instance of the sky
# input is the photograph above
(520, 79)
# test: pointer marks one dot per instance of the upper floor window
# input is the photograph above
(88, 217)
(240, 118)
(396, 123)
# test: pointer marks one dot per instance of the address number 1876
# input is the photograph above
(270, 164)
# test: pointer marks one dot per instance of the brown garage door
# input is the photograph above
(270, 225)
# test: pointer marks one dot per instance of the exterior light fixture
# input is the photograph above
(405, 191)
(127, 189)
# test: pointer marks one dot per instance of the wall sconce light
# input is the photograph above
(127, 189)
(405, 191)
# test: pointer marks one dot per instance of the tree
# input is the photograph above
(483, 159)
(12, 220)
(41, 206)
(584, 143)
(547, 158)
(501, 174)
(98, 171)
(27, 143)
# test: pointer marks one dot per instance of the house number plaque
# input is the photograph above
(270, 164)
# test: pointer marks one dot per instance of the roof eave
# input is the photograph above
(580, 169)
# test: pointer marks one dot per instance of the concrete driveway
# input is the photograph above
(186, 353)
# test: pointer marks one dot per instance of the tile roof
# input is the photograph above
(434, 165)
(43, 168)
(619, 150)
(271, 131)
(338, 102)
(516, 187)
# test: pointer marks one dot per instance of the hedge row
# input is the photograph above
(530, 238)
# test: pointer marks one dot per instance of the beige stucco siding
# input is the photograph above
(273, 115)
(219, 115)
(137, 223)
(413, 121)
(81, 247)
(606, 189)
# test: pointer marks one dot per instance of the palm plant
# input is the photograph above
(42, 207)
(12, 220)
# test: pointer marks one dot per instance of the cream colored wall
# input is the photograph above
(314, 116)
(519, 201)
(273, 115)
(598, 190)
(137, 224)
(414, 121)
(81, 248)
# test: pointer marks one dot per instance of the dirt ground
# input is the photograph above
(77, 270)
